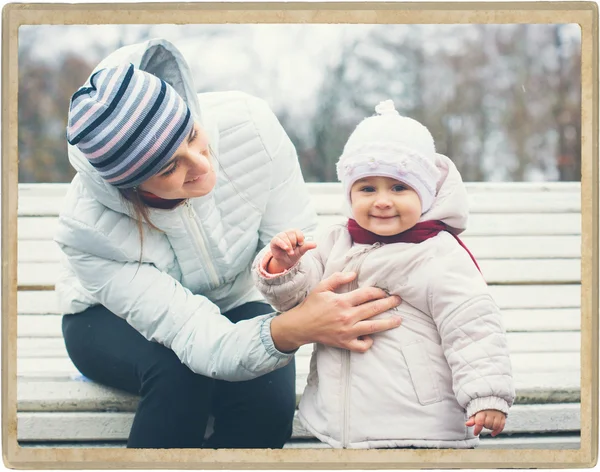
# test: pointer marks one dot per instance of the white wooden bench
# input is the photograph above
(525, 236)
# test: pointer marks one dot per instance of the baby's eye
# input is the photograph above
(399, 188)
(367, 188)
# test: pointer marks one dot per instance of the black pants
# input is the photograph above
(175, 403)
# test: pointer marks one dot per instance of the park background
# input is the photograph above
(502, 101)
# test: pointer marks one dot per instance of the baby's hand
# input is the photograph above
(287, 248)
(490, 419)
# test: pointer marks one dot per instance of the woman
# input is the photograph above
(174, 195)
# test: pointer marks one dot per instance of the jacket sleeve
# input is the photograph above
(472, 333)
(164, 311)
(287, 290)
(289, 204)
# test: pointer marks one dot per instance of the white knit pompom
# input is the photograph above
(386, 108)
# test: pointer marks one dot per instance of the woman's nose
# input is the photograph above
(198, 161)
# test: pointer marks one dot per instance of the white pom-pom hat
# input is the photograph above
(390, 145)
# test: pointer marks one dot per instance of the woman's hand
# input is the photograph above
(490, 419)
(287, 248)
(339, 320)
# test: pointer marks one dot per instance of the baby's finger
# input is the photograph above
(361, 344)
(292, 238)
(299, 237)
(489, 421)
(479, 422)
(495, 425)
(502, 424)
(307, 247)
(278, 242)
(290, 242)
(470, 421)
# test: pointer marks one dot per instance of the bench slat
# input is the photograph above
(80, 394)
(531, 271)
(503, 224)
(495, 271)
(482, 247)
(530, 362)
(506, 296)
(517, 343)
(523, 247)
(535, 224)
(536, 296)
(42, 326)
(36, 228)
(521, 202)
(90, 426)
(328, 198)
(546, 441)
(516, 441)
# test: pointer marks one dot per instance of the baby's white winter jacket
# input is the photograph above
(420, 382)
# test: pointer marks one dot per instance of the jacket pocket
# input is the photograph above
(421, 373)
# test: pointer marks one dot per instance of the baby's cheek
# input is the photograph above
(415, 210)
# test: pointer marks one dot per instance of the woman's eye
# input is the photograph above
(193, 136)
(170, 171)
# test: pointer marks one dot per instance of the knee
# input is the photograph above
(280, 406)
(167, 374)
(278, 400)
(277, 423)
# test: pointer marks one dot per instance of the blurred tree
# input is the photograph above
(330, 125)
(502, 101)
(45, 89)
(567, 107)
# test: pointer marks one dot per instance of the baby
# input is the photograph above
(445, 373)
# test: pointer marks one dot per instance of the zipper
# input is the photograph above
(346, 354)
(199, 237)
(346, 403)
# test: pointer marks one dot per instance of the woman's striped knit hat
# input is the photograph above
(127, 123)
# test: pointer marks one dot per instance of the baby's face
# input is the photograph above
(384, 206)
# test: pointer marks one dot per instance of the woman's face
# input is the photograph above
(189, 173)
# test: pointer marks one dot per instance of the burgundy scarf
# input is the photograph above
(156, 202)
(417, 234)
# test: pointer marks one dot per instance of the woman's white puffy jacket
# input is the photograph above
(419, 383)
(199, 266)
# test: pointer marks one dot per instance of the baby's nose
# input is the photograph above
(383, 202)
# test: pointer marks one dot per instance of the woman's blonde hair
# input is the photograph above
(141, 213)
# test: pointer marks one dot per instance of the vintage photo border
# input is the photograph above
(583, 13)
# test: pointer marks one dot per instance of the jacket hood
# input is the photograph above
(451, 204)
(162, 59)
